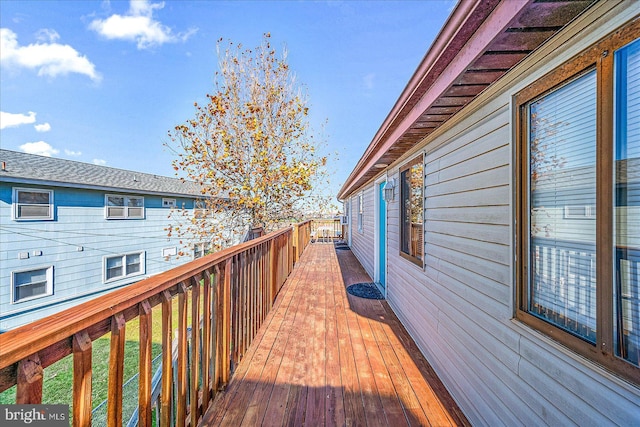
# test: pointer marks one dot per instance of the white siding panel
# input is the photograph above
(362, 244)
(493, 215)
(580, 395)
(480, 197)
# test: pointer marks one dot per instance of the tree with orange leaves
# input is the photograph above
(251, 148)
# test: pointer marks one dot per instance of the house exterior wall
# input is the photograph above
(75, 243)
(362, 243)
(459, 307)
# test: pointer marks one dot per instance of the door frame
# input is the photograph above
(377, 237)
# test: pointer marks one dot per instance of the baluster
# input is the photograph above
(182, 356)
(206, 340)
(144, 383)
(195, 347)
(167, 361)
(226, 323)
(116, 371)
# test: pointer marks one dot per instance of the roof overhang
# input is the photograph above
(480, 42)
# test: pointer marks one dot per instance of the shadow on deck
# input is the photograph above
(323, 357)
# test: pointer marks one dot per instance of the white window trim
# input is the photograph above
(126, 207)
(168, 203)
(49, 284)
(14, 211)
(124, 266)
(203, 248)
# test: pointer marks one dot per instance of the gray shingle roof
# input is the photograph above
(30, 168)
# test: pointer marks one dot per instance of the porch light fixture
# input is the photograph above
(389, 190)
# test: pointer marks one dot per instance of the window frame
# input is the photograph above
(203, 247)
(600, 57)
(16, 204)
(125, 206)
(168, 203)
(49, 276)
(124, 256)
(406, 166)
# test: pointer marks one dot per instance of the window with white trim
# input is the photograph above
(123, 266)
(168, 203)
(124, 207)
(201, 249)
(579, 151)
(32, 204)
(31, 284)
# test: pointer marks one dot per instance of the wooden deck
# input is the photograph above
(323, 357)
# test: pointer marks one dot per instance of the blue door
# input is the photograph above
(382, 237)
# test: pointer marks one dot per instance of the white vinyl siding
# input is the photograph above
(363, 242)
(31, 284)
(32, 204)
(124, 207)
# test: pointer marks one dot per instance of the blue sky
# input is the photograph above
(103, 82)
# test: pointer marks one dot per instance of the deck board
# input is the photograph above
(323, 357)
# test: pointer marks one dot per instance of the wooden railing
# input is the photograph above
(326, 229)
(301, 237)
(230, 292)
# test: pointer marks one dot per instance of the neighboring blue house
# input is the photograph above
(70, 231)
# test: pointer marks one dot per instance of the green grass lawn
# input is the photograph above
(58, 378)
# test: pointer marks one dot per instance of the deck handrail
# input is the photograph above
(234, 289)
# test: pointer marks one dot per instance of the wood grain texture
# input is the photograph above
(82, 374)
(116, 371)
(322, 357)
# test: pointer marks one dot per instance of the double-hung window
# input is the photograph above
(32, 204)
(27, 285)
(123, 266)
(201, 249)
(411, 210)
(578, 203)
(124, 207)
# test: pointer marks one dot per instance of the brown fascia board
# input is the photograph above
(470, 28)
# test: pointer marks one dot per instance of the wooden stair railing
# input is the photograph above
(231, 293)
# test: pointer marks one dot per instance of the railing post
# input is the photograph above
(296, 240)
(82, 374)
(144, 380)
(116, 371)
(30, 374)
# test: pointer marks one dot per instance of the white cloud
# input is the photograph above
(138, 25)
(47, 35)
(72, 153)
(41, 148)
(99, 162)
(44, 127)
(9, 120)
(369, 81)
(49, 59)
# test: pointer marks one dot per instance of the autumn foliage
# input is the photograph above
(250, 147)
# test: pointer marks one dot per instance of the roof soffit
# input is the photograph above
(502, 37)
